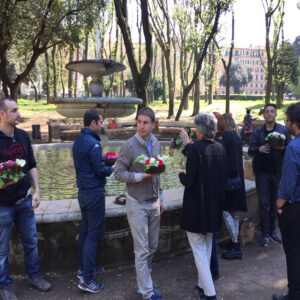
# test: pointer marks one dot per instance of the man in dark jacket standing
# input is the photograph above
(267, 162)
(90, 174)
(17, 203)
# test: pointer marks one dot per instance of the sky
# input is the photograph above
(250, 26)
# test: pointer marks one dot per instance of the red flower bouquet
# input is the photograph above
(110, 158)
(154, 165)
(11, 172)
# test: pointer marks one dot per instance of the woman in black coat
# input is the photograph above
(235, 200)
(204, 195)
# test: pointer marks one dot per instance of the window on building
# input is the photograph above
(236, 52)
(262, 70)
(255, 92)
(251, 85)
(257, 62)
(256, 77)
(261, 92)
(262, 77)
(236, 60)
(261, 85)
(256, 85)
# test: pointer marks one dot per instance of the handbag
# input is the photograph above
(234, 184)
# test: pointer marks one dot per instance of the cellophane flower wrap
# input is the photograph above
(154, 164)
(11, 172)
(177, 143)
(110, 158)
(276, 139)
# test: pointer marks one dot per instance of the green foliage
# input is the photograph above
(157, 88)
(239, 97)
(239, 77)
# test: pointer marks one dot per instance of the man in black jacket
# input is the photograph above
(16, 202)
(267, 162)
(90, 174)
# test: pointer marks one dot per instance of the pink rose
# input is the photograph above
(10, 163)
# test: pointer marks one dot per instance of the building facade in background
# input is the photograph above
(254, 58)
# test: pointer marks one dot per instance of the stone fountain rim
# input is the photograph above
(108, 64)
(103, 100)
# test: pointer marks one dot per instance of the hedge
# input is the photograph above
(235, 97)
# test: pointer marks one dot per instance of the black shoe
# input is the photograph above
(40, 284)
(215, 276)
(280, 297)
(199, 292)
(226, 245)
(211, 298)
(234, 253)
(274, 238)
(264, 240)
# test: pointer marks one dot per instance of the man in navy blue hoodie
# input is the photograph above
(90, 174)
(16, 201)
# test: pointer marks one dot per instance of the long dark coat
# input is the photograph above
(234, 201)
(204, 183)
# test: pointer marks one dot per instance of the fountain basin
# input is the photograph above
(109, 107)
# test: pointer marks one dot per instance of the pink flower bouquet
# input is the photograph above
(11, 172)
(110, 158)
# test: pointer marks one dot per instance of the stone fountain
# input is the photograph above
(75, 107)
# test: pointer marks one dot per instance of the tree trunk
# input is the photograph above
(54, 72)
(163, 79)
(196, 97)
(227, 105)
(174, 66)
(76, 73)
(140, 79)
(70, 73)
(86, 50)
(61, 74)
(36, 98)
(47, 77)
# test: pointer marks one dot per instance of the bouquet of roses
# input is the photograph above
(275, 139)
(11, 172)
(154, 165)
(110, 158)
(177, 143)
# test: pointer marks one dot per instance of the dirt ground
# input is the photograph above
(260, 273)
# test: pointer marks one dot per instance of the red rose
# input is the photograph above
(160, 162)
(147, 161)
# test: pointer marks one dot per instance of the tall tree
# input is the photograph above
(240, 76)
(31, 27)
(274, 13)
(142, 75)
(209, 13)
(161, 22)
(286, 70)
(227, 65)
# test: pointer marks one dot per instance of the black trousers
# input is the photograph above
(266, 186)
(289, 224)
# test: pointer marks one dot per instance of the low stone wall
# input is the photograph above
(58, 224)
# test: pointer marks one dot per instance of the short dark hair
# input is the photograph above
(248, 110)
(91, 115)
(270, 104)
(293, 113)
(146, 111)
(2, 103)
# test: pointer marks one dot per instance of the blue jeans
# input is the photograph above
(214, 266)
(92, 205)
(23, 217)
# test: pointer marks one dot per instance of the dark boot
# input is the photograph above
(234, 253)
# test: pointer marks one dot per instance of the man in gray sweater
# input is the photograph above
(144, 199)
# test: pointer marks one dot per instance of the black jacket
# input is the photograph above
(89, 164)
(234, 201)
(259, 139)
(204, 183)
(11, 148)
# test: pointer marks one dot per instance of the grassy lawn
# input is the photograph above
(32, 109)
(237, 108)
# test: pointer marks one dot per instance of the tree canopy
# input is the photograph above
(28, 28)
(239, 76)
